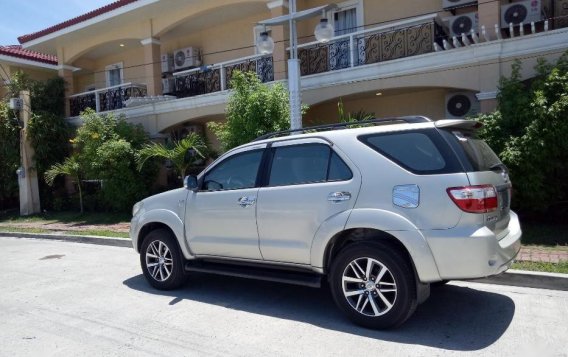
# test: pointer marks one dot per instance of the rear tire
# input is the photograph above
(374, 285)
(162, 261)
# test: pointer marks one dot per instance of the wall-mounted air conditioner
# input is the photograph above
(461, 104)
(168, 85)
(186, 58)
(523, 11)
(464, 23)
(167, 63)
(452, 4)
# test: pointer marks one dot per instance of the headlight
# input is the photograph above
(136, 208)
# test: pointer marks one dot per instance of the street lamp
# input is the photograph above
(323, 32)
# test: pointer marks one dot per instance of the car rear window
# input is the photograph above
(421, 152)
(474, 153)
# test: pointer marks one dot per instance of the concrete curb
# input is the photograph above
(529, 279)
(115, 242)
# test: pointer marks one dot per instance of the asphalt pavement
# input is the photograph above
(70, 299)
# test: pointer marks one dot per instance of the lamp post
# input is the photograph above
(323, 32)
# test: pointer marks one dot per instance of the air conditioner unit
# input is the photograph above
(168, 85)
(167, 63)
(523, 11)
(461, 104)
(464, 23)
(452, 4)
(186, 57)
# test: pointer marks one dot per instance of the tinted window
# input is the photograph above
(236, 172)
(474, 152)
(308, 163)
(421, 152)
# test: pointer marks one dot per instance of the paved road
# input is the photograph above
(72, 299)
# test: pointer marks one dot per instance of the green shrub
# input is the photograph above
(529, 131)
(9, 156)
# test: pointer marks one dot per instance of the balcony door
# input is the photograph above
(114, 74)
(347, 18)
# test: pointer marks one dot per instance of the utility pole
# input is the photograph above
(27, 173)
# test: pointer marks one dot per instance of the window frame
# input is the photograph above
(259, 172)
(453, 164)
(115, 66)
(348, 5)
(271, 152)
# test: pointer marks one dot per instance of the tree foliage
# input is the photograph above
(70, 167)
(529, 131)
(254, 109)
(9, 155)
(177, 153)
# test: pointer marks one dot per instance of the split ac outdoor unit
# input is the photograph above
(522, 11)
(168, 85)
(461, 104)
(186, 58)
(464, 23)
(452, 4)
(167, 63)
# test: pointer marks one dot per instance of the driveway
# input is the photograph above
(61, 298)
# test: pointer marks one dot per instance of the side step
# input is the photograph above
(253, 272)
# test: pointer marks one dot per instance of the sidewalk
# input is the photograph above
(545, 255)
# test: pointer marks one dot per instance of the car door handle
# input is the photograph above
(337, 197)
(246, 201)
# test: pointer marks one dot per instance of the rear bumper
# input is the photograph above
(460, 254)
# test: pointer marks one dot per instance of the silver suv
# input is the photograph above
(381, 211)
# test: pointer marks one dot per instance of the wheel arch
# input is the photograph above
(162, 219)
(373, 225)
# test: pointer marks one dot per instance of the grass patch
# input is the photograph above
(541, 266)
(67, 217)
(88, 232)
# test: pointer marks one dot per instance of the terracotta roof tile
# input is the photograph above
(76, 20)
(19, 52)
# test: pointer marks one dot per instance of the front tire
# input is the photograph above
(162, 261)
(373, 284)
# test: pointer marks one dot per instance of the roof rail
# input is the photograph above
(394, 120)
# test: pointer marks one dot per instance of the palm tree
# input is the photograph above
(69, 167)
(177, 153)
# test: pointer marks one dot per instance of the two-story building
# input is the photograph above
(167, 64)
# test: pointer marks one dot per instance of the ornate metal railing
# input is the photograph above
(105, 99)
(403, 39)
(215, 78)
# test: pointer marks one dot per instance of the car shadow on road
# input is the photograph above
(454, 318)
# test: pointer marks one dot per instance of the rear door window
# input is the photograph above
(419, 151)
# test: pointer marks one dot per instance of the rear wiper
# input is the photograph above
(500, 166)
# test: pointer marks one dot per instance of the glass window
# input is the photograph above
(309, 163)
(421, 152)
(345, 21)
(236, 172)
(114, 74)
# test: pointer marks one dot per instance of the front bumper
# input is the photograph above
(460, 254)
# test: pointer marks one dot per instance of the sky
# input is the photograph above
(21, 17)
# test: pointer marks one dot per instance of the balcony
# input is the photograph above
(384, 43)
(105, 99)
(216, 78)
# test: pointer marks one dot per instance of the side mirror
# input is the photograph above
(190, 183)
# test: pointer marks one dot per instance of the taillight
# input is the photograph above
(474, 199)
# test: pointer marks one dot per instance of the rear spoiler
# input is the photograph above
(458, 124)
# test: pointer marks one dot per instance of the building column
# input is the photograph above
(489, 14)
(66, 72)
(279, 35)
(152, 66)
(27, 173)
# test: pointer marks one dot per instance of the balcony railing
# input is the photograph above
(215, 78)
(406, 38)
(104, 99)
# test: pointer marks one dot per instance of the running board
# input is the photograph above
(250, 272)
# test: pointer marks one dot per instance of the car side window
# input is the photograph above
(306, 163)
(236, 172)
